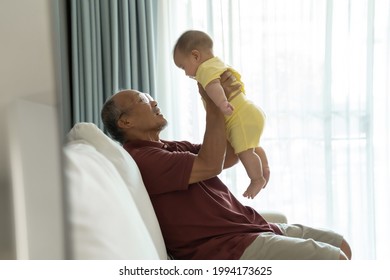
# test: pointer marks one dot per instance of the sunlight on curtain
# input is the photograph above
(320, 71)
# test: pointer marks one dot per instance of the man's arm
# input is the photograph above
(231, 157)
(210, 159)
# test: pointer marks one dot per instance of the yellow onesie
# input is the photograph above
(245, 126)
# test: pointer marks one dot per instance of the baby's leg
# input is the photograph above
(254, 169)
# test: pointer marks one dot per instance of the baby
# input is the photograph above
(193, 53)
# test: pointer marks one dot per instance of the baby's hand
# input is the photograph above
(226, 108)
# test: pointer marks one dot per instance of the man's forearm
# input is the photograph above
(231, 157)
(214, 141)
(210, 159)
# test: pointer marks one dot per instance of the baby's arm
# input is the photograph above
(215, 91)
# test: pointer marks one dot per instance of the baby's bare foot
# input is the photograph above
(254, 188)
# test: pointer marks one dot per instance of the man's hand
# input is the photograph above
(202, 92)
(228, 82)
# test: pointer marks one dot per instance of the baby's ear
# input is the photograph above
(195, 54)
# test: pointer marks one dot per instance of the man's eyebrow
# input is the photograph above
(144, 97)
(149, 96)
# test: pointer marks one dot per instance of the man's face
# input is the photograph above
(142, 111)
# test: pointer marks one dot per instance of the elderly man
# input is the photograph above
(199, 217)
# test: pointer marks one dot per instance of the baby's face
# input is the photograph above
(186, 62)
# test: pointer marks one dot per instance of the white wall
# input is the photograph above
(27, 71)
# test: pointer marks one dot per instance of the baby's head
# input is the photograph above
(191, 49)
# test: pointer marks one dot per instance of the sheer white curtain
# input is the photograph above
(320, 70)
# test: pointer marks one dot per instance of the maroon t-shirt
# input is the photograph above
(198, 221)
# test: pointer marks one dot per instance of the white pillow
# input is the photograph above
(105, 223)
(128, 171)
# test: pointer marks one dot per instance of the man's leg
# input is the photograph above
(298, 243)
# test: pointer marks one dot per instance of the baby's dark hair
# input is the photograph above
(193, 39)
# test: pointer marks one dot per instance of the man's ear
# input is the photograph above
(124, 122)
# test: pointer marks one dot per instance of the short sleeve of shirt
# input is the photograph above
(202, 220)
(164, 169)
(210, 70)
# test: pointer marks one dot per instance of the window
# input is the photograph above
(320, 71)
